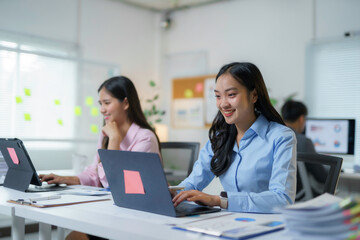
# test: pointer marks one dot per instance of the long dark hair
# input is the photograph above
(222, 135)
(121, 87)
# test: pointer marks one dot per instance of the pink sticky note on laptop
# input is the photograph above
(133, 183)
(13, 155)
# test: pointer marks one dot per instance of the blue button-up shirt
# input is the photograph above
(262, 175)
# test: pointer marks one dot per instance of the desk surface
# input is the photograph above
(109, 221)
(6, 194)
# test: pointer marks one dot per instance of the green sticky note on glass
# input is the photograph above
(18, 99)
(89, 101)
(27, 91)
(188, 93)
(77, 111)
(94, 111)
(60, 122)
(27, 116)
(94, 128)
(57, 102)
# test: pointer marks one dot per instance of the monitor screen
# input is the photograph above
(331, 135)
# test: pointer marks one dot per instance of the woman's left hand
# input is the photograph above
(197, 197)
(111, 130)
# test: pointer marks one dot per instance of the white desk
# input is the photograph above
(106, 220)
(349, 184)
(8, 209)
(109, 221)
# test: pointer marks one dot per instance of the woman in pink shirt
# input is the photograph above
(125, 128)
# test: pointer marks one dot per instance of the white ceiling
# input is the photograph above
(168, 5)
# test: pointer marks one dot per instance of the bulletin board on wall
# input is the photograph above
(193, 102)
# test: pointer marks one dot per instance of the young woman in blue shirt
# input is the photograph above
(250, 149)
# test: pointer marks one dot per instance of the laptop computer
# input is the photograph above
(21, 172)
(137, 181)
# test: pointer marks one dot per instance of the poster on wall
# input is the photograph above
(188, 112)
(210, 100)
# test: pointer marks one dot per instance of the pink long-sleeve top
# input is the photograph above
(136, 139)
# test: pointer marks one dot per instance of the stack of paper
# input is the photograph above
(325, 217)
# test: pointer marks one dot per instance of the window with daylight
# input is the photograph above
(332, 84)
(46, 92)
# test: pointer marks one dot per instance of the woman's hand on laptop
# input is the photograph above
(197, 197)
(56, 179)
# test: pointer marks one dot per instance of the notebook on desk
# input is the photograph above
(21, 171)
(137, 181)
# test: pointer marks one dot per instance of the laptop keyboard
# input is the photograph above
(191, 209)
(46, 188)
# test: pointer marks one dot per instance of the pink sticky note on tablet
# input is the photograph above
(13, 155)
(133, 183)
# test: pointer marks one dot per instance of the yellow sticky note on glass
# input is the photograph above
(27, 116)
(77, 111)
(57, 102)
(94, 128)
(188, 93)
(60, 122)
(89, 101)
(94, 111)
(27, 91)
(18, 99)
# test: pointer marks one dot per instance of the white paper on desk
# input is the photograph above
(235, 225)
(318, 202)
(67, 200)
(84, 192)
(84, 187)
(323, 205)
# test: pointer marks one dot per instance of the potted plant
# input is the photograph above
(152, 113)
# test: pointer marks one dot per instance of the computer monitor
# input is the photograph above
(334, 136)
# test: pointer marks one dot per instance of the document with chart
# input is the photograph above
(236, 225)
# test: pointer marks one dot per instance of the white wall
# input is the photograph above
(105, 30)
(272, 34)
(117, 33)
(48, 19)
(334, 17)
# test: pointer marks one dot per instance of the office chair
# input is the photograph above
(307, 160)
(179, 155)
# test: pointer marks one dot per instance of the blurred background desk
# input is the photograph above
(349, 184)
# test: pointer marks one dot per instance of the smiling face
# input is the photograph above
(235, 102)
(112, 108)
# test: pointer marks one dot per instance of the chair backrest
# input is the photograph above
(179, 155)
(308, 160)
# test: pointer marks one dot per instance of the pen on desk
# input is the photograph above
(45, 198)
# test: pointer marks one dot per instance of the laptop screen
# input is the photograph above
(3, 169)
(21, 171)
(137, 181)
